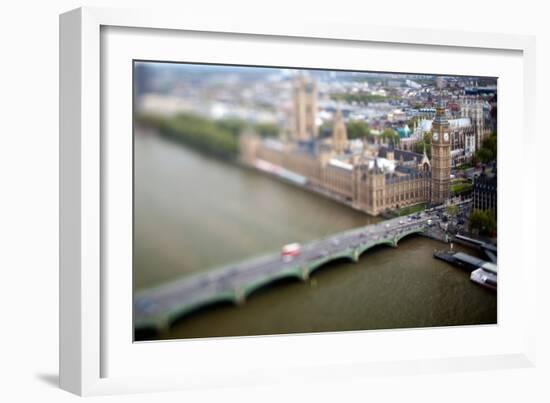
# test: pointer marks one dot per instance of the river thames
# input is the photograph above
(194, 213)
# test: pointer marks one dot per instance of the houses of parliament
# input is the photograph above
(373, 178)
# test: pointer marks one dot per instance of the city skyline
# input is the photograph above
(414, 154)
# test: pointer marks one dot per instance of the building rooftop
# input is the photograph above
(340, 164)
(459, 123)
(399, 154)
(485, 180)
(404, 132)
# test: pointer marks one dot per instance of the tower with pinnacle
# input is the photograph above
(441, 157)
(304, 127)
(339, 133)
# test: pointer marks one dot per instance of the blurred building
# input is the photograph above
(339, 134)
(370, 178)
(473, 110)
(304, 125)
(485, 192)
(467, 131)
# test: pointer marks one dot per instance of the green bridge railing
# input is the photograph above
(173, 308)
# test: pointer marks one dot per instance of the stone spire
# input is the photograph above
(425, 159)
(339, 133)
(304, 111)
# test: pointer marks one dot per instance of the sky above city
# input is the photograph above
(255, 71)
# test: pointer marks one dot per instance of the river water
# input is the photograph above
(194, 213)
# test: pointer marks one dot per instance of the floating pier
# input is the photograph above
(482, 272)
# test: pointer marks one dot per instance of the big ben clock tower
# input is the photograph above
(441, 157)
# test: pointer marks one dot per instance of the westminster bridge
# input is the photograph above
(158, 307)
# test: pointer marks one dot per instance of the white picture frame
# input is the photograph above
(86, 346)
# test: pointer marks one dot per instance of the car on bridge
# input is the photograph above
(290, 251)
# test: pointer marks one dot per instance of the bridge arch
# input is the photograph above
(182, 311)
(365, 248)
(408, 233)
(265, 282)
(320, 263)
(178, 311)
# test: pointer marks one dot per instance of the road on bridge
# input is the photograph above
(157, 307)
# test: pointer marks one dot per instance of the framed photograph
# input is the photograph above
(247, 203)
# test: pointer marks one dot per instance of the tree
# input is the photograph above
(484, 155)
(426, 141)
(357, 129)
(483, 220)
(419, 148)
(360, 97)
(213, 137)
(267, 129)
(488, 151)
(452, 210)
(233, 125)
(427, 138)
(391, 136)
(476, 220)
(491, 144)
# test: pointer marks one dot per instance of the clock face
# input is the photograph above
(436, 136)
(446, 136)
